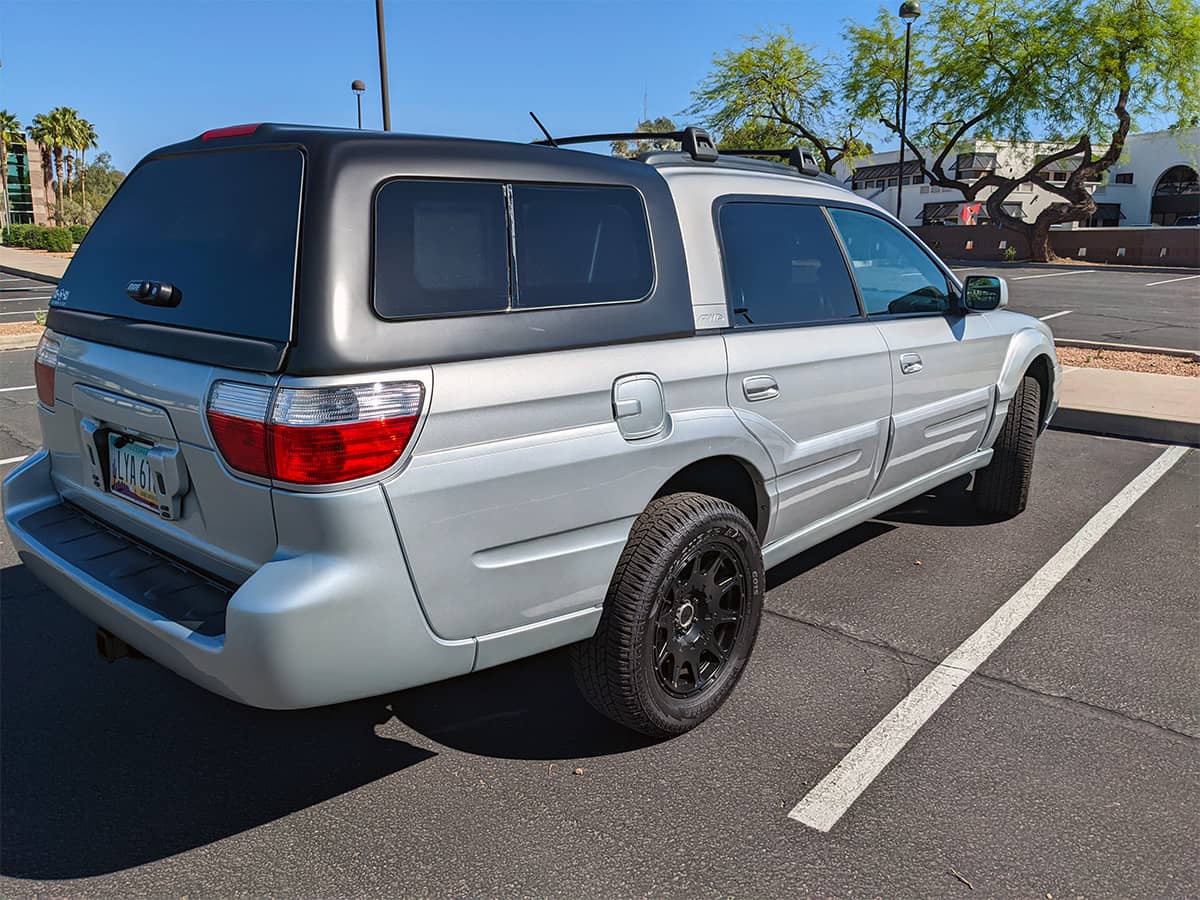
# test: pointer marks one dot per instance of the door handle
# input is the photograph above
(910, 364)
(760, 387)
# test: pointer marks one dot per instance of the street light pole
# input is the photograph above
(358, 87)
(909, 11)
(383, 76)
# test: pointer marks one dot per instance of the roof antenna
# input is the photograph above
(539, 124)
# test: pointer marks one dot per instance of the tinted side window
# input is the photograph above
(580, 245)
(441, 249)
(894, 274)
(783, 265)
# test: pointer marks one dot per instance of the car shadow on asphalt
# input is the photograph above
(950, 504)
(104, 767)
(528, 709)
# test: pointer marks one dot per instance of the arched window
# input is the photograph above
(1176, 193)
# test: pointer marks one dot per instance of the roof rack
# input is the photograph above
(695, 142)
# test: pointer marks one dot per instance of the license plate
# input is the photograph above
(129, 474)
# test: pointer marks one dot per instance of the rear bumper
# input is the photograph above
(332, 617)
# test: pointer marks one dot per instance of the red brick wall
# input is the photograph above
(1143, 246)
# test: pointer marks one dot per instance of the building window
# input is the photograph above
(1124, 178)
(1058, 176)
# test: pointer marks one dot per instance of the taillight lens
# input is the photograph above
(45, 361)
(237, 415)
(314, 435)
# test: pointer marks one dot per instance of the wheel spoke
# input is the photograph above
(691, 656)
(724, 616)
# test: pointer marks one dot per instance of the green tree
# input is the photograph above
(776, 92)
(103, 178)
(11, 133)
(661, 125)
(1016, 70)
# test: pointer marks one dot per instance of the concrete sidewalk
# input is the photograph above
(32, 264)
(1130, 404)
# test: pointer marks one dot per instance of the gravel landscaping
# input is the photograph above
(1128, 361)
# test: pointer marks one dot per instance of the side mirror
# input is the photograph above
(984, 292)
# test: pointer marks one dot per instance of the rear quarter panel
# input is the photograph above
(521, 491)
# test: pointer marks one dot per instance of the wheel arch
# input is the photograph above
(728, 478)
(1041, 369)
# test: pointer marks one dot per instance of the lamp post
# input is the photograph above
(909, 11)
(383, 79)
(358, 87)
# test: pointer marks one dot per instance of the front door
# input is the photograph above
(809, 376)
(943, 362)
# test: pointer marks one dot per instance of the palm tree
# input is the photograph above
(52, 130)
(72, 125)
(87, 139)
(11, 132)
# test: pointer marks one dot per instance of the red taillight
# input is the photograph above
(314, 435)
(45, 361)
(237, 415)
(231, 131)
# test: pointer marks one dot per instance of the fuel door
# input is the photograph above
(638, 406)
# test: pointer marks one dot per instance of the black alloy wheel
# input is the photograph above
(697, 619)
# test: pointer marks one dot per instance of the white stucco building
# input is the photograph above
(1154, 182)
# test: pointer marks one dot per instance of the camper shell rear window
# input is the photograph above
(220, 227)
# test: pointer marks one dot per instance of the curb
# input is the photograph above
(1123, 425)
(19, 341)
(1130, 348)
(1072, 264)
(29, 273)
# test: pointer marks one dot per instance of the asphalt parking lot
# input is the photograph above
(1065, 765)
(1143, 306)
(21, 298)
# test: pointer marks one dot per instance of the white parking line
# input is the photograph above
(18, 299)
(828, 801)
(24, 387)
(1172, 280)
(1053, 274)
(12, 459)
(1065, 312)
(968, 269)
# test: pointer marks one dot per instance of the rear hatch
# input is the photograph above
(187, 277)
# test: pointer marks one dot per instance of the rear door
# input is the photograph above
(943, 362)
(187, 277)
(808, 374)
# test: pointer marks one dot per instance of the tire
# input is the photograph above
(666, 655)
(1002, 487)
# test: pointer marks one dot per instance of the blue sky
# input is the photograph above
(150, 73)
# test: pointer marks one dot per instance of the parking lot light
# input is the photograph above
(358, 87)
(909, 11)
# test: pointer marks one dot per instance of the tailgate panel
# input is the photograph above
(219, 523)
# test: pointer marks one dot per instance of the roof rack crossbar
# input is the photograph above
(695, 141)
(802, 160)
